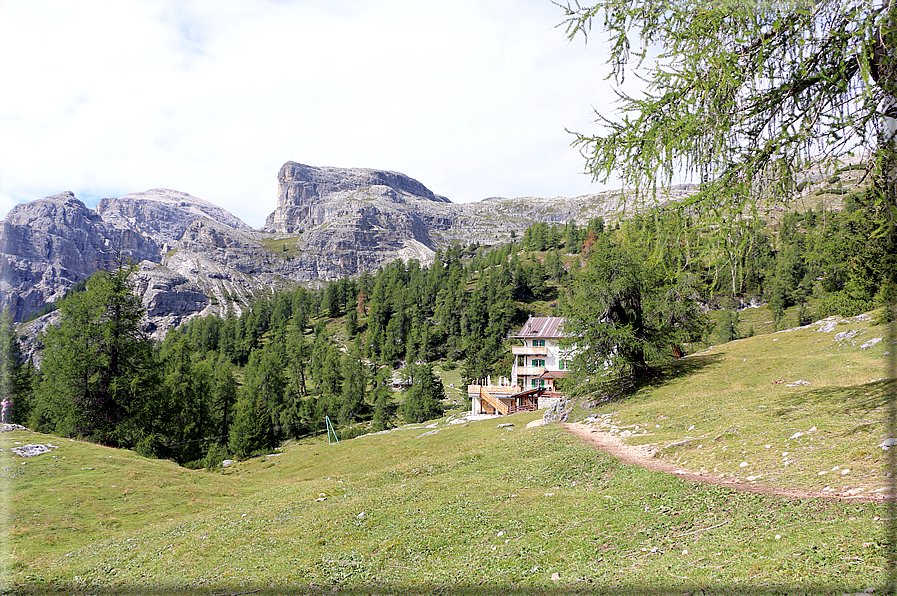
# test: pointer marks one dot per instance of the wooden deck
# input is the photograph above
(506, 400)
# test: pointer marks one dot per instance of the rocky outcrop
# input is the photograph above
(163, 214)
(48, 245)
(309, 196)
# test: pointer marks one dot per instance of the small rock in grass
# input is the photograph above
(888, 443)
(743, 464)
(361, 515)
(506, 425)
(555, 576)
(846, 335)
(828, 327)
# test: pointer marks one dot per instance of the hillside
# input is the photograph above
(478, 508)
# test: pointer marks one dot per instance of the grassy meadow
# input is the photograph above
(477, 509)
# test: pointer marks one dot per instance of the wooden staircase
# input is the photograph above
(493, 401)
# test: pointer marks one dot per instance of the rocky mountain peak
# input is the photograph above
(163, 214)
(308, 195)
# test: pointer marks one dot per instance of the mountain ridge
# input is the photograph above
(195, 258)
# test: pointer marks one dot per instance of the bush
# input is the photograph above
(842, 304)
(214, 457)
(150, 446)
(804, 317)
(726, 328)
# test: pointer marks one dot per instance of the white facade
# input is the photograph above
(541, 359)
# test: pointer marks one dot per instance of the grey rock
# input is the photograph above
(846, 335)
(559, 412)
(32, 450)
(163, 214)
(872, 342)
(48, 245)
(890, 442)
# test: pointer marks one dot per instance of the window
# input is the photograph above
(562, 364)
(536, 382)
(538, 343)
(538, 362)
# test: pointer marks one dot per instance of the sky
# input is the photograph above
(473, 98)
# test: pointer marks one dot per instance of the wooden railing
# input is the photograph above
(529, 351)
(523, 408)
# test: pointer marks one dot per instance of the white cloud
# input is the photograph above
(471, 97)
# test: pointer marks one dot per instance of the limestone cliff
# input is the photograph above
(48, 245)
(309, 196)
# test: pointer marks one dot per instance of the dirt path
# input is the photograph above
(641, 456)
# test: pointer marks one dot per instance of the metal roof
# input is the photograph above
(542, 327)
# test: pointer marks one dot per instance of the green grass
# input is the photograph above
(287, 247)
(479, 509)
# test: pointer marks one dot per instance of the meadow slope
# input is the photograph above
(477, 509)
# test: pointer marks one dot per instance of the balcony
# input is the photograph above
(530, 371)
(527, 351)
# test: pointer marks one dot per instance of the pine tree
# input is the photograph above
(352, 405)
(384, 405)
(224, 394)
(98, 372)
(423, 401)
(251, 431)
(624, 318)
(17, 377)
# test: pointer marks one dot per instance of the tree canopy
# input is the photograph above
(741, 96)
(624, 318)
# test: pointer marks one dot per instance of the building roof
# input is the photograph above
(542, 328)
(554, 374)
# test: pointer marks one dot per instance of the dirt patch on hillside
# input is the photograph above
(644, 457)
